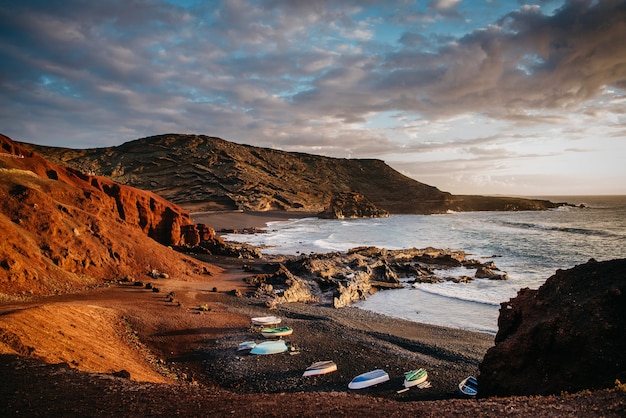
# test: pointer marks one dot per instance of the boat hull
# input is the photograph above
(468, 387)
(320, 367)
(276, 332)
(265, 320)
(270, 347)
(415, 377)
(368, 379)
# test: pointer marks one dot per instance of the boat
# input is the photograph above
(270, 347)
(265, 320)
(415, 377)
(320, 367)
(276, 332)
(468, 387)
(369, 379)
(246, 345)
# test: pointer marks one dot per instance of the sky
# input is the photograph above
(509, 97)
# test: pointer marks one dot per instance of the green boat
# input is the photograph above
(276, 332)
(415, 377)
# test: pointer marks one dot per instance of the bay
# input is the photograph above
(529, 246)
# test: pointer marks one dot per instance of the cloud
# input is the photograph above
(312, 75)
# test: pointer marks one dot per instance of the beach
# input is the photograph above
(202, 373)
(239, 220)
(188, 333)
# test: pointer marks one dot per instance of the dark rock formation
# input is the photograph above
(205, 173)
(351, 205)
(338, 279)
(489, 273)
(568, 335)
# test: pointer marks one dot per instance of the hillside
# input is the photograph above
(64, 230)
(206, 173)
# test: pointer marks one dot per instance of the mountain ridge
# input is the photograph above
(204, 173)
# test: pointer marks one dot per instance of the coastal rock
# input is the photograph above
(339, 279)
(484, 272)
(282, 286)
(63, 230)
(351, 205)
(568, 335)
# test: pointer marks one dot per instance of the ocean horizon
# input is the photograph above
(528, 245)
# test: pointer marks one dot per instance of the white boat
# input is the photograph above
(415, 377)
(276, 332)
(270, 347)
(468, 387)
(246, 345)
(369, 379)
(320, 367)
(266, 320)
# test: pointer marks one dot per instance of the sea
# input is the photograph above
(529, 246)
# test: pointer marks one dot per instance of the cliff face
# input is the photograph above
(63, 230)
(568, 335)
(206, 173)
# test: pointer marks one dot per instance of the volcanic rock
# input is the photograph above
(351, 205)
(339, 279)
(488, 273)
(203, 173)
(64, 230)
(567, 336)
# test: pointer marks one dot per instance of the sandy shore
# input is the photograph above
(214, 378)
(195, 351)
(240, 220)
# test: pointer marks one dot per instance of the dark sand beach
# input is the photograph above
(196, 351)
(240, 220)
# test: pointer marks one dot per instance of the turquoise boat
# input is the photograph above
(270, 347)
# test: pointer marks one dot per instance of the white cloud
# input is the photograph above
(314, 76)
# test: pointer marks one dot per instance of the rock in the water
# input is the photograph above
(488, 273)
(568, 335)
(351, 205)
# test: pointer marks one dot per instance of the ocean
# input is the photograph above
(530, 246)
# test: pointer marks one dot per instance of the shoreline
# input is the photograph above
(225, 222)
(240, 220)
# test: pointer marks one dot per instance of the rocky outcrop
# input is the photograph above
(204, 173)
(63, 230)
(339, 279)
(351, 205)
(488, 273)
(567, 336)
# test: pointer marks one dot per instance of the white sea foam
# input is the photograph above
(528, 246)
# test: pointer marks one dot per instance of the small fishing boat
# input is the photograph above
(276, 332)
(468, 387)
(265, 320)
(246, 345)
(415, 377)
(320, 367)
(270, 347)
(369, 379)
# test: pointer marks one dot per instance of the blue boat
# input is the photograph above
(369, 379)
(468, 387)
(270, 347)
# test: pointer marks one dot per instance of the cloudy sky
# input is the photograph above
(509, 97)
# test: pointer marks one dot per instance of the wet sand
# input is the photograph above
(241, 220)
